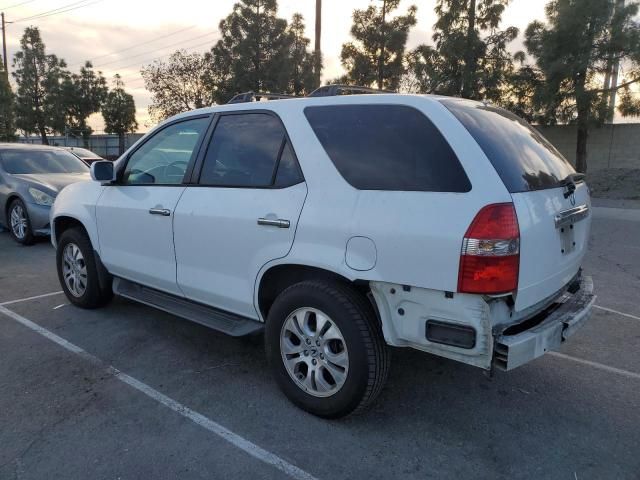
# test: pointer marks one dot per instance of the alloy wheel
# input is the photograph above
(18, 219)
(74, 270)
(314, 352)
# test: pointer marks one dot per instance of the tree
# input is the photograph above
(83, 94)
(377, 53)
(185, 82)
(119, 112)
(39, 80)
(470, 57)
(573, 50)
(7, 106)
(253, 53)
(303, 63)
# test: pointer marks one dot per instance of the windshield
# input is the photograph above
(83, 153)
(523, 158)
(19, 162)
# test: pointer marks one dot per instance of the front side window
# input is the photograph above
(387, 147)
(163, 159)
(246, 150)
(25, 162)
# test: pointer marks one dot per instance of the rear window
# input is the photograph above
(387, 147)
(523, 158)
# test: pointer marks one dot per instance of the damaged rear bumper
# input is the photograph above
(515, 347)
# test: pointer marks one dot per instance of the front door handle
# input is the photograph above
(160, 211)
(274, 222)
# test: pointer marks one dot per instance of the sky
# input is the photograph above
(121, 36)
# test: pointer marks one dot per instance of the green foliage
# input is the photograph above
(83, 95)
(119, 112)
(254, 51)
(470, 57)
(572, 51)
(39, 78)
(376, 56)
(302, 62)
(185, 82)
(7, 108)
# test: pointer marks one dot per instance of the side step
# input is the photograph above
(225, 322)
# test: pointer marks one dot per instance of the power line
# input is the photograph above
(138, 45)
(16, 5)
(56, 11)
(155, 50)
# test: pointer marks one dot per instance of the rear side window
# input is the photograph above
(387, 147)
(249, 150)
(523, 158)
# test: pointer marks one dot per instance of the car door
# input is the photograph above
(242, 212)
(135, 215)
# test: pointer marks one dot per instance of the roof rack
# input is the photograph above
(256, 97)
(333, 90)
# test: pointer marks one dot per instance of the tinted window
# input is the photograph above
(387, 147)
(84, 153)
(244, 151)
(288, 170)
(523, 158)
(163, 159)
(41, 161)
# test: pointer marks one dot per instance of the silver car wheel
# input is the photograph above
(74, 270)
(314, 352)
(18, 219)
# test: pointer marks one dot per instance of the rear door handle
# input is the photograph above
(273, 222)
(160, 211)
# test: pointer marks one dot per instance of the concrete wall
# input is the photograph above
(610, 146)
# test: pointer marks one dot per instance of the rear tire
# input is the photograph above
(326, 349)
(19, 223)
(78, 272)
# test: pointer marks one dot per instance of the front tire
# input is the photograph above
(326, 349)
(19, 223)
(78, 272)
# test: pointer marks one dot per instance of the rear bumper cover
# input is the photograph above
(511, 351)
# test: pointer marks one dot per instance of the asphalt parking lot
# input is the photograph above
(128, 392)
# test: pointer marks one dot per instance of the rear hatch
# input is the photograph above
(552, 202)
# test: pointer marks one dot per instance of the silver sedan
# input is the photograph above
(30, 178)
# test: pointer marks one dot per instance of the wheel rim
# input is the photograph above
(314, 352)
(18, 222)
(74, 270)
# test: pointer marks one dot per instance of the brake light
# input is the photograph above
(490, 256)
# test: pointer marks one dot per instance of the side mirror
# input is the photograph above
(103, 171)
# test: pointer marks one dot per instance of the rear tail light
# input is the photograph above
(490, 256)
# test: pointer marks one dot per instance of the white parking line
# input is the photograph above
(599, 366)
(36, 297)
(199, 419)
(611, 310)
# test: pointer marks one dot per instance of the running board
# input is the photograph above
(225, 322)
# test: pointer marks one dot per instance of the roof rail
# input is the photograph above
(333, 90)
(255, 97)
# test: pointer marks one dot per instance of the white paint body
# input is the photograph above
(211, 250)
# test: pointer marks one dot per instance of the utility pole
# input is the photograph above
(4, 46)
(614, 75)
(382, 46)
(318, 47)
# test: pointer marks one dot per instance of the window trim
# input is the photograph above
(187, 174)
(404, 105)
(199, 164)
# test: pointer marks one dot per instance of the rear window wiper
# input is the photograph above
(570, 181)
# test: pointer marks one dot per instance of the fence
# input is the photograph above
(104, 145)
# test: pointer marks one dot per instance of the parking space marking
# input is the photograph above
(599, 366)
(60, 306)
(35, 297)
(611, 310)
(197, 418)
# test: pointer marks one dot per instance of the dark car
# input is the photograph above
(85, 155)
(31, 176)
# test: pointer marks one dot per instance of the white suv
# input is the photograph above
(340, 225)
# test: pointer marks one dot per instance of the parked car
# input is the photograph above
(31, 176)
(85, 155)
(340, 226)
